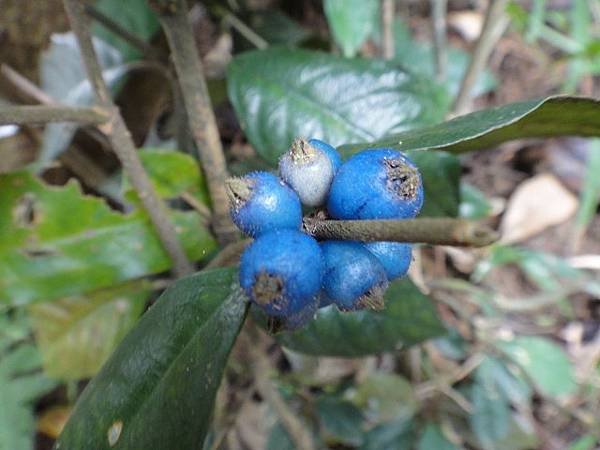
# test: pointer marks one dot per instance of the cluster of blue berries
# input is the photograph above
(286, 272)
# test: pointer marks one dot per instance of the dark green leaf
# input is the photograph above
(157, 390)
(351, 22)
(408, 318)
(516, 390)
(280, 94)
(279, 439)
(21, 383)
(57, 242)
(277, 28)
(133, 15)
(552, 116)
(491, 414)
(340, 420)
(391, 436)
(545, 362)
(77, 334)
(433, 439)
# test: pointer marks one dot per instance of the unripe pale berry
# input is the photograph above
(376, 184)
(261, 202)
(308, 171)
(330, 152)
(281, 272)
(353, 278)
(395, 257)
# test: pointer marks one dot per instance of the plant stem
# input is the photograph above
(250, 35)
(123, 145)
(438, 25)
(147, 50)
(201, 119)
(496, 21)
(43, 114)
(438, 231)
(387, 28)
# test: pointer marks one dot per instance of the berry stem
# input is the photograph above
(435, 231)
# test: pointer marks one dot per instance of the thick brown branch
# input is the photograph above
(174, 19)
(443, 231)
(43, 114)
(123, 145)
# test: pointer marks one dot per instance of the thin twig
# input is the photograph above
(24, 85)
(201, 119)
(496, 21)
(248, 33)
(438, 25)
(41, 114)
(262, 366)
(146, 49)
(123, 145)
(387, 28)
(442, 231)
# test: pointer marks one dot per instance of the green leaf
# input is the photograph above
(135, 16)
(587, 442)
(493, 371)
(21, 383)
(433, 439)
(340, 421)
(491, 414)
(277, 28)
(157, 390)
(552, 116)
(351, 22)
(545, 362)
(77, 334)
(419, 58)
(386, 397)
(172, 173)
(64, 78)
(474, 204)
(392, 436)
(408, 318)
(280, 94)
(57, 242)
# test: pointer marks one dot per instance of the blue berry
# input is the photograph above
(308, 171)
(394, 256)
(376, 184)
(261, 202)
(330, 152)
(353, 278)
(281, 273)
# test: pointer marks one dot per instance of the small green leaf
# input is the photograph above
(473, 203)
(57, 242)
(77, 334)
(277, 28)
(545, 362)
(386, 397)
(340, 420)
(172, 173)
(135, 16)
(552, 116)
(433, 439)
(157, 390)
(516, 390)
(280, 94)
(351, 22)
(491, 414)
(408, 318)
(587, 442)
(21, 383)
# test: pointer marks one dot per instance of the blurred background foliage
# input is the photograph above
(497, 348)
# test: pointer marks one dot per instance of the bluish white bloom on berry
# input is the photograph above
(281, 272)
(261, 202)
(353, 278)
(394, 256)
(376, 184)
(308, 171)
(330, 152)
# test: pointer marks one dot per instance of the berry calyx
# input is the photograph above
(329, 151)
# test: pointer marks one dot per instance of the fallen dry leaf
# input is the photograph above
(538, 203)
